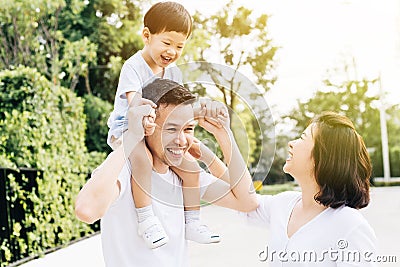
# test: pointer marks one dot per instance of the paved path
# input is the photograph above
(241, 243)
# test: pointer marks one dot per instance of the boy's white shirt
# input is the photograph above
(122, 246)
(135, 74)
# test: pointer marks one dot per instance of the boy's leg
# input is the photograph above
(141, 185)
(189, 172)
(149, 226)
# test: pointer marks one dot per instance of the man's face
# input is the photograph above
(172, 137)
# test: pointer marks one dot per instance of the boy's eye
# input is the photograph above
(166, 43)
(190, 129)
(180, 47)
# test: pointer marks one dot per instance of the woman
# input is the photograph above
(321, 225)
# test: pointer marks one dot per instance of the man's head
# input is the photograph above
(173, 135)
(167, 25)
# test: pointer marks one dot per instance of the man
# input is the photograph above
(107, 195)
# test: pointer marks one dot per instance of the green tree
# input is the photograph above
(393, 125)
(31, 35)
(73, 43)
(77, 44)
(114, 26)
(354, 98)
(241, 42)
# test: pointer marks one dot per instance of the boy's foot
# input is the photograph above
(153, 232)
(200, 233)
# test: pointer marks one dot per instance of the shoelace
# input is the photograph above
(151, 230)
(202, 228)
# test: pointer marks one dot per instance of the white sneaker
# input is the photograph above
(153, 232)
(200, 233)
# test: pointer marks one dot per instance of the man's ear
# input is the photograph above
(146, 35)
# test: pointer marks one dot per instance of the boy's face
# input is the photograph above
(172, 137)
(163, 48)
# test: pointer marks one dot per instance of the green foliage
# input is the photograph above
(240, 40)
(95, 159)
(245, 134)
(42, 126)
(352, 97)
(76, 59)
(31, 37)
(97, 112)
(393, 126)
(80, 45)
(114, 26)
(242, 43)
(69, 39)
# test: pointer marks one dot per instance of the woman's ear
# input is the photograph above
(146, 35)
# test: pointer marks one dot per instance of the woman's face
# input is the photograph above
(300, 163)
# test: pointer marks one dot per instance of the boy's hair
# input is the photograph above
(167, 17)
(167, 92)
(342, 164)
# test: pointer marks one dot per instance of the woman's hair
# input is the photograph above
(167, 17)
(342, 164)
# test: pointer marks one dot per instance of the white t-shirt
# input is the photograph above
(135, 74)
(335, 237)
(123, 247)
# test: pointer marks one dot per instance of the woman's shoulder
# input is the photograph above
(350, 217)
(348, 214)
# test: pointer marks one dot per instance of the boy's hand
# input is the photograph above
(141, 116)
(210, 110)
(149, 125)
(219, 124)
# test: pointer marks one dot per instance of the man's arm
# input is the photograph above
(235, 190)
(101, 190)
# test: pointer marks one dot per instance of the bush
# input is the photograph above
(42, 126)
(97, 112)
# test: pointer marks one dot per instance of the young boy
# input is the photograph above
(167, 26)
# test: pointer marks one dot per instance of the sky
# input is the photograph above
(316, 36)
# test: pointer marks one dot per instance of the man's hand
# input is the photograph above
(200, 151)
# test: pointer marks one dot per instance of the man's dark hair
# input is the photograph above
(342, 164)
(168, 92)
(167, 17)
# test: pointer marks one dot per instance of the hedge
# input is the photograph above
(42, 126)
(97, 112)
